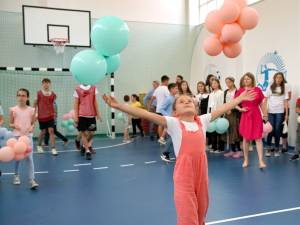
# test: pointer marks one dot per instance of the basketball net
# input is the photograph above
(59, 44)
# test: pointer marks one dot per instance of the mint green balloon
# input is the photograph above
(222, 125)
(212, 127)
(70, 128)
(88, 67)
(120, 116)
(64, 124)
(113, 63)
(109, 35)
(70, 122)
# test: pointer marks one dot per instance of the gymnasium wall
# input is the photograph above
(278, 30)
(154, 49)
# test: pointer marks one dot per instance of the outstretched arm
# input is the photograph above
(137, 112)
(245, 96)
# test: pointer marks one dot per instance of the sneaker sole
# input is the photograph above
(164, 159)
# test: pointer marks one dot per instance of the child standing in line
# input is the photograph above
(86, 112)
(22, 119)
(297, 147)
(127, 120)
(187, 131)
(44, 107)
(136, 121)
(202, 98)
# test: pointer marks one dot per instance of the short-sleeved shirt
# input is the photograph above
(23, 119)
(160, 93)
(276, 100)
(174, 129)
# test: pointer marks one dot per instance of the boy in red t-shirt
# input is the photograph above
(86, 113)
(44, 107)
(297, 147)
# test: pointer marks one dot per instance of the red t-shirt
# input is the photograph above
(46, 111)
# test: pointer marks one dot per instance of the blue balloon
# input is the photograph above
(88, 67)
(222, 125)
(3, 132)
(109, 35)
(113, 63)
(9, 135)
(212, 127)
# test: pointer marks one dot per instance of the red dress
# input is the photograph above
(251, 124)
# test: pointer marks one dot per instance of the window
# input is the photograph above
(207, 6)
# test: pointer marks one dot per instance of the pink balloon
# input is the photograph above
(213, 22)
(66, 116)
(72, 113)
(229, 12)
(267, 128)
(231, 33)
(248, 18)
(232, 50)
(6, 154)
(241, 3)
(212, 46)
(11, 142)
(29, 149)
(19, 157)
(20, 147)
(25, 139)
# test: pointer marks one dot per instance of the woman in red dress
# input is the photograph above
(251, 123)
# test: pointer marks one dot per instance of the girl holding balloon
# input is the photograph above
(251, 123)
(21, 120)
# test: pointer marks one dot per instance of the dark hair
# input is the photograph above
(251, 76)
(171, 85)
(232, 80)
(181, 77)
(126, 98)
(282, 85)
(27, 93)
(174, 103)
(46, 80)
(188, 88)
(208, 78)
(164, 78)
(136, 97)
(218, 83)
(201, 82)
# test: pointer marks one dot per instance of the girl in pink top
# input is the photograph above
(251, 123)
(187, 131)
(21, 119)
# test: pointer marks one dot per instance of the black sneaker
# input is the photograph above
(284, 150)
(77, 144)
(92, 150)
(82, 150)
(88, 156)
(294, 158)
(165, 157)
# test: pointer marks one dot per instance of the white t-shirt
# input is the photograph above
(75, 95)
(160, 93)
(276, 100)
(1, 111)
(174, 129)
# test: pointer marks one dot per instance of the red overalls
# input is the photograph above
(191, 178)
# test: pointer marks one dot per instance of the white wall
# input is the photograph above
(276, 31)
(157, 11)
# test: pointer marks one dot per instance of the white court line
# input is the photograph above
(100, 168)
(253, 215)
(126, 165)
(8, 173)
(82, 164)
(67, 171)
(150, 162)
(41, 172)
(172, 158)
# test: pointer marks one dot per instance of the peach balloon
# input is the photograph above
(229, 12)
(11, 142)
(20, 147)
(25, 139)
(231, 33)
(213, 22)
(241, 3)
(232, 50)
(248, 18)
(19, 157)
(6, 154)
(212, 46)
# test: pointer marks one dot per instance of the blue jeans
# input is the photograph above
(276, 120)
(29, 161)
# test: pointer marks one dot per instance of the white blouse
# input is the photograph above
(216, 99)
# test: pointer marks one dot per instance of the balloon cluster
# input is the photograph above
(16, 149)
(109, 37)
(219, 125)
(228, 26)
(68, 121)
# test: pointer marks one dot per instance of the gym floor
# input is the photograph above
(128, 184)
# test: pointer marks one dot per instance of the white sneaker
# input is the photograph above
(16, 180)
(39, 149)
(54, 151)
(276, 154)
(268, 153)
(33, 184)
(162, 141)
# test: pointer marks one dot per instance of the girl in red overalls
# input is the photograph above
(187, 131)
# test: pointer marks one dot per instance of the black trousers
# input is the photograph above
(137, 123)
(217, 142)
(56, 133)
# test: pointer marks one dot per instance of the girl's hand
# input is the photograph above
(30, 130)
(17, 127)
(229, 112)
(265, 118)
(247, 95)
(111, 101)
(244, 109)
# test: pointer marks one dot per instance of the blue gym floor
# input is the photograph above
(128, 184)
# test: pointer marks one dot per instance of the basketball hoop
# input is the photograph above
(59, 44)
